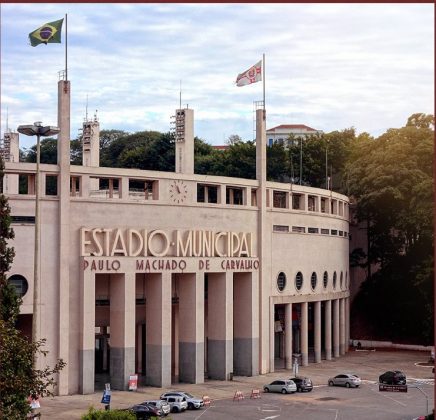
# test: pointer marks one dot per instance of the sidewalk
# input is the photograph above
(366, 364)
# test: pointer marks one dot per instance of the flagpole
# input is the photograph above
(263, 78)
(66, 47)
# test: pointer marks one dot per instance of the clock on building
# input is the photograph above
(178, 191)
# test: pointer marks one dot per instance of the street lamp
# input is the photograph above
(39, 131)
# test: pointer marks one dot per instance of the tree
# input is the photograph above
(18, 377)
(420, 120)
(233, 139)
(391, 181)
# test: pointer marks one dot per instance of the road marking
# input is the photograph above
(386, 396)
(196, 418)
(269, 408)
(270, 417)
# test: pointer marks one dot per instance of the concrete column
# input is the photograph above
(271, 340)
(336, 328)
(317, 331)
(122, 332)
(342, 326)
(245, 324)
(84, 185)
(158, 329)
(220, 325)
(304, 334)
(288, 336)
(347, 323)
(222, 194)
(138, 348)
(328, 329)
(124, 188)
(87, 332)
(263, 249)
(63, 144)
(191, 327)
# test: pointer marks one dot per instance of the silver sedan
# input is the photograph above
(345, 379)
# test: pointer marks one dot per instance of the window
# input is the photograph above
(346, 279)
(299, 281)
(143, 189)
(325, 279)
(281, 281)
(270, 142)
(23, 219)
(298, 229)
(296, 202)
(341, 281)
(325, 231)
(311, 203)
(334, 280)
(313, 280)
(323, 205)
(51, 185)
(341, 233)
(279, 199)
(234, 196)
(253, 197)
(20, 284)
(312, 230)
(207, 193)
(334, 232)
(280, 228)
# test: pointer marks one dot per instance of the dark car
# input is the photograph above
(303, 384)
(145, 411)
(393, 377)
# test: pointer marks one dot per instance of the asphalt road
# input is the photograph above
(324, 402)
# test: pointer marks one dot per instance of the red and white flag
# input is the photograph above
(252, 75)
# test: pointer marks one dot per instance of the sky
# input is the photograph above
(328, 66)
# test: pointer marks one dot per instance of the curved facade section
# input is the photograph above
(177, 276)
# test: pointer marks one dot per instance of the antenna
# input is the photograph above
(180, 96)
(86, 107)
(7, 119)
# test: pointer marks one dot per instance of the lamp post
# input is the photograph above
(38, 130)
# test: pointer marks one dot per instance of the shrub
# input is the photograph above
(94, 414)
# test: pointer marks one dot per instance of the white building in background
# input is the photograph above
(176, 276)
(281, 133)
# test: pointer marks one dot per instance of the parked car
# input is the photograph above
(193, 402)
(393, 377)
(160, 404)
(176, 402)
(303, 384)
(284, 386)
(145, 411)
(345, 379)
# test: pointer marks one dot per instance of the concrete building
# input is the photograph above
(177, 276)
(281, 133)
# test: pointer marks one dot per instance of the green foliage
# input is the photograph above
(49, 152)
(143, 150)
(94, 414)
(18, 377)
(391, 181)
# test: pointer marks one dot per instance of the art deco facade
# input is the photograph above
(177, 276)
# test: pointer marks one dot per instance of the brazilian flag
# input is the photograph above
(50, 32)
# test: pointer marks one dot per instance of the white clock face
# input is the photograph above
(178, 191)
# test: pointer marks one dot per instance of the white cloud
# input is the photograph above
(330, 66)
